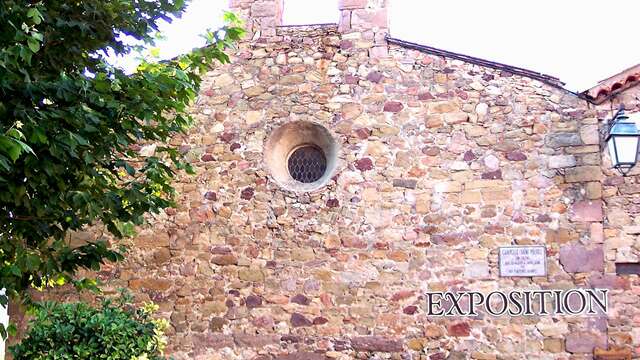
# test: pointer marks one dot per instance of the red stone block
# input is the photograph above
(587, 211)
(376, 343)
(364, 164)
(393, 106)
(459, 329)
(584, 342)
(578, 258)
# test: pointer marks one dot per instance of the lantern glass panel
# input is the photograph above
(623, 143)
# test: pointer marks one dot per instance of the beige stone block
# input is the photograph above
(483, 184)
(253, 117)
(434, 121)
(589, 134)
(302, 254)
(249, 274)
(443, 107)
(370, 194)
(553, 345)
(223, 80)
(456, 117)
(423, 203)
(470, 197)
(495, 196)
(583, 174)
(593, 190)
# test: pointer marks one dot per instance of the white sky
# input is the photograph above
(579, 41)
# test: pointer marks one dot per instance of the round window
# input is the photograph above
(301, 156)
(307, 164)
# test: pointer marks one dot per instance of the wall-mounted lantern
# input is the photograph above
(622, 139)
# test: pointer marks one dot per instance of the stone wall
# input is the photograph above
(622, 232)
(441, 162)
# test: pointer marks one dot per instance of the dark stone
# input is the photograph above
(516, 156)
(302, 356)
(363, 133)
(492, 175)
(207, 157)
(562, 139)
(487, 77)
(216, 324)
(364, 164)
(341, 345)
(247, 193)
(628, 268)
(290, 338)
(298, 320)
(376, 343)
(425, 96)
(405, 183)
(459, 329)
(235, 146)
(224, 260)
(220, 250)
(453, 238)
(350, 79)
(501, 101)
(300, 300)
(210, 195)
(462, 94)
(393, 106)
(614, 181)
(469, 156)
(431, 150)
(227, 136)
(410, 310)
(333, 203)
(544, 218)
(320, 320)
(346, 44)
(253, 301)
(375, 76)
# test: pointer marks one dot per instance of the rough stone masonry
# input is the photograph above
(440, 162)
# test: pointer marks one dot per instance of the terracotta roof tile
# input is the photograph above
(607, 88)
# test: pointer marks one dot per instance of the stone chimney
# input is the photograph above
(364, 21)
(368, 21)
(261, 16)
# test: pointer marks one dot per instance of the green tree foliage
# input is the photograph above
(70, 124)
(79, 331)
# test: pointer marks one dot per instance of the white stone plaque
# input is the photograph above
(523, 260)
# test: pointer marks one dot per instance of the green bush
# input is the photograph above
(79, 331)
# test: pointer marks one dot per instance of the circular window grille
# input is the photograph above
(307, 164)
